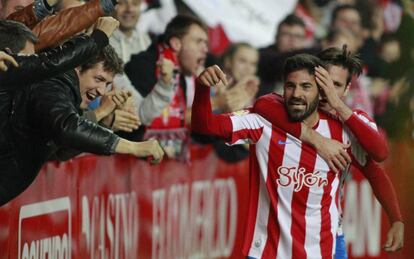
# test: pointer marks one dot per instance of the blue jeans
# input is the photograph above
(340, 251)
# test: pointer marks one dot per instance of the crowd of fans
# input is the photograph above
(98, 84)
(377, 31)
(160, 70)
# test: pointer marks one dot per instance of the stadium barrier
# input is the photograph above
(121, 207)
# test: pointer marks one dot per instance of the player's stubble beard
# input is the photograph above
(297, 115)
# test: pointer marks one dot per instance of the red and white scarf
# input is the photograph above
(170, 127)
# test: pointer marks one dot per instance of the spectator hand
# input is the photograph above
(6, 58)
(166, 68)
(395, 237)
(150, 149)
(252, 85)
(242, 94)
(236, 99)
(107, 24)
(125, 121)
(106, 106)
(121, 97)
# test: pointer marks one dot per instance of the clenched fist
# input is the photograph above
(150, 149)
(107, 24)
(166, 67)
(212, 76)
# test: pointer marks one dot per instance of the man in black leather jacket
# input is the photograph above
(32, 68)
(46, 115)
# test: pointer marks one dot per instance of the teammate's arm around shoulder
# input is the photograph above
(271, 107)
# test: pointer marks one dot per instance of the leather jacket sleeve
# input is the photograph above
(25, 16)
(64, 154)
(56, 28)
(53, 107)
(48, 64)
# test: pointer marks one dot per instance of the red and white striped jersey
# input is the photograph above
(356, 149)
(293, 209)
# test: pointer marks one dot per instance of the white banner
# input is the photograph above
(249, 21)
(155, 20)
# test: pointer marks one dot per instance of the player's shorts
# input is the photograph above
(340, 250)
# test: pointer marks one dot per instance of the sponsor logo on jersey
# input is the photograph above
(298, 177)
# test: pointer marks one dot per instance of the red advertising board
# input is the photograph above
(121, 207)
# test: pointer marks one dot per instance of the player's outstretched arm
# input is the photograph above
(203, 120)
(385, 193)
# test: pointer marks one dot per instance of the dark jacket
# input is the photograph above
(47, 64)
(141, 70)
(45, 115)
(35, 68)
